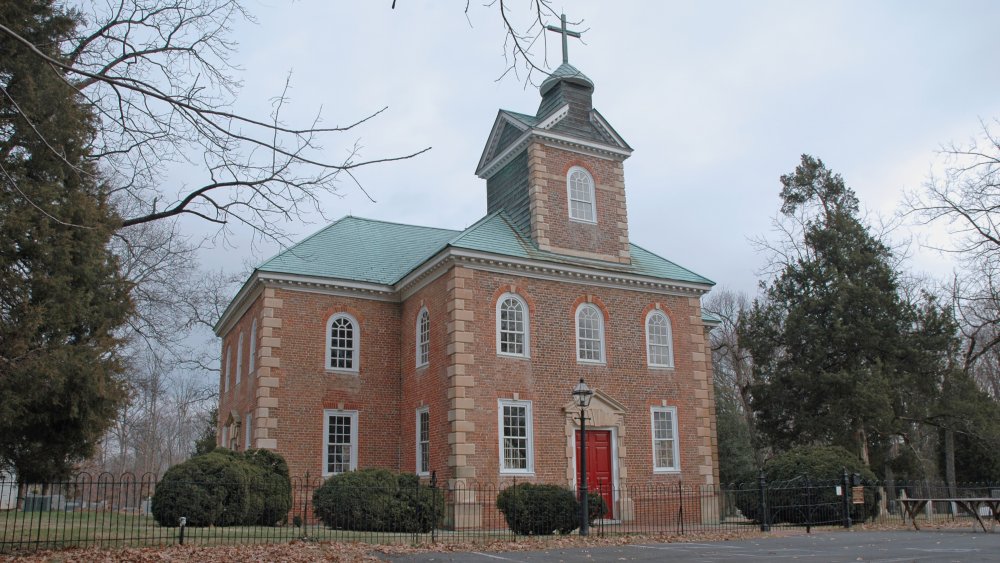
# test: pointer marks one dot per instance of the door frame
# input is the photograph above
(614, 464)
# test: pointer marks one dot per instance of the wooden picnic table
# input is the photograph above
(913, 506)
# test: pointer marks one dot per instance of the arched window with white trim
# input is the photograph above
(253, 348)
(512, 326)
(580, 193)
(239, 359)
(589, 334)
(423, 337)
(343, 337)
(228, 372)
(659, 340)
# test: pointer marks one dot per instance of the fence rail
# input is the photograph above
(116, 511)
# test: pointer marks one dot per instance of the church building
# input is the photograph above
(421, 349)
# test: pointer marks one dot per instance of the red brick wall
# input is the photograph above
(427, 385)
(609, 236)
(550, 374)
(306, 388)
(241, 397)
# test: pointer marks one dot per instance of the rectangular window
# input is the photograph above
(516, 455)
(423, 441)
(248, 434)
(224, 443)
(341, 451)
(666, 457)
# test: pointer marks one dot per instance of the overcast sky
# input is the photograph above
(718, 99)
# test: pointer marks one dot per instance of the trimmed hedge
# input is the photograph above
(378, 500)
(224, 488)
(801, 487)
(531, 509)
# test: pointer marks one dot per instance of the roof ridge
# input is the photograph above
(692, 272)
(467, 230)
(384, 222)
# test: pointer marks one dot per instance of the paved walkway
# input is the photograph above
(897, 547)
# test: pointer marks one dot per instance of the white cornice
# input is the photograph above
(436, 266)
(556, 139)
(494, 137)
(238, 306)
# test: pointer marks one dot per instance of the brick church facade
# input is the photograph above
(375, 344)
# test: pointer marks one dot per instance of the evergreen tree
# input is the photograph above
(62, 296)
(839, 357)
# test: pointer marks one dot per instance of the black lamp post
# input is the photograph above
(582, 395)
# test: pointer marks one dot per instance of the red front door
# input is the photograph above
(599, 476)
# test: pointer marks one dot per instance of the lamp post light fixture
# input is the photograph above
(581, 396)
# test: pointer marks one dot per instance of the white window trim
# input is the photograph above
(670, 340)
(419, 450)
(248, 432)
(229, 368)
(225, 437)
(326, 438)
(576, 335)
(421, 362)
(527, 326)
(569, 196)
(530, 431)
(672, 411)
(253, 348)
(239, 359)
(356, 344)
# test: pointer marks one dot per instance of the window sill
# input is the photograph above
(509, 473)
(342, 371)
(584, 221)
(513, 356)
(660, 368)
(595, 363)
(661, 471)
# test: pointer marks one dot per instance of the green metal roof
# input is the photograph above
(566, 72)
(358, 249)
(372, 251)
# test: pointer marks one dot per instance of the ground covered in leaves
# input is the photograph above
(300, 551)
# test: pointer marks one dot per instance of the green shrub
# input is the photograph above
(801, 487)
(531, 509)
(274, 486)
(378, 500)
(224, 488)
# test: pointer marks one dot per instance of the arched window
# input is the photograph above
(512, 325)
(589, 334)
(253, 347)
(580, 189)
(228, 372)
(342, 342)
(423, 338)
(239, 359)
(659, 340)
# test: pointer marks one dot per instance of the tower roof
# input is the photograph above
(570, 74)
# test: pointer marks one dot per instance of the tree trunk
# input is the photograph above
(949, 461)
(863, 445)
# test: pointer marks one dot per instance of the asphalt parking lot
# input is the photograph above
(902, 546)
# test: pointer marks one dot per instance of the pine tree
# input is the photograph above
(840, 358)
(62, 296)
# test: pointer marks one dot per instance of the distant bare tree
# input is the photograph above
(966, 199)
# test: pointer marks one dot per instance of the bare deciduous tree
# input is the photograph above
(966, 199)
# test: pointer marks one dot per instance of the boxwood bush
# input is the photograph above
(224, 488)
(531, 509)
(801, 487)
(378, 500)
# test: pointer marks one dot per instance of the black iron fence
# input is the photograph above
(113, 511)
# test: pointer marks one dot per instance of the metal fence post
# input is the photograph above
(765, 526)
(844, 485)
(434, 493)
(809, 505)
(183, 523)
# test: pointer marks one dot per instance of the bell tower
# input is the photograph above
(558, 175)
